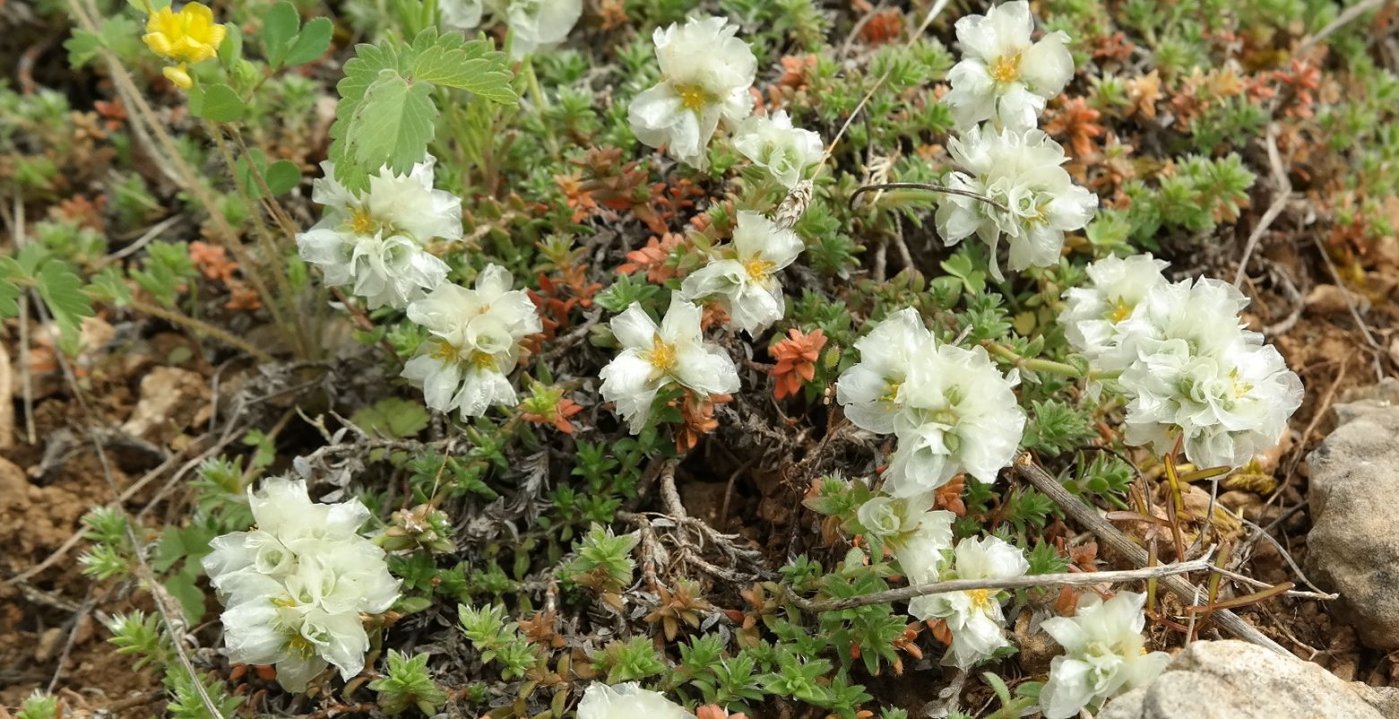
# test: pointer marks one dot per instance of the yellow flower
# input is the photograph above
(190, 35)
(178, 75)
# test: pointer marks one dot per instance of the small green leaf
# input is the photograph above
(392, 418)
(107, 286)
(10, 275)
(82, 47)
(282, 176)
(231, 49)
(219, 103)
(62, 291)
(313, 41)
(279, 28)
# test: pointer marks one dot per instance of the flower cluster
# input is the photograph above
(475, 342)
(974, 617)
(295, 587)
(627, 701)
(705, 75)
(534, 24)
(188, 36)
(950, 408)
(1010, 182)
(1103, 654)
(657, 356)
(375, 241)
(1194, 374)
(744, 275)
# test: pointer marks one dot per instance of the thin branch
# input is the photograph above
(1070, 579)
(1284, 190)
(1120, 543)
(1350, 15)
(925, 186)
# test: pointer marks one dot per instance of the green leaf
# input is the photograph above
(392, 418)
(472, 68)
(393, 124)
(386, 113)
(182, 587)
(282, 176)
(108, 286)
(219, 103)
(10, 275)
(82, 47)
(313, 41)
(279, 28)
(231, 49)
(62, 291)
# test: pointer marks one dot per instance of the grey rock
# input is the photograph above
(1353, 547)
(1237, 680)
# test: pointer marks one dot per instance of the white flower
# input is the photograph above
(958, 414)
(1021, 172)
(746, 283)
(705, 76)
(1098, 318)
(974, 616)
(294, 588)
(654, 356)
(461, 14)
(627, 701)
(921, 550)
(774, 145)
(1198, 375)
(868, 391)
(539, 23)
(475, 343)
(374, 241)
(1003, 77)
(1103, 655)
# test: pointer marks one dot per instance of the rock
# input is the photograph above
(1353, 547)
(172, 399)
(1237, 680)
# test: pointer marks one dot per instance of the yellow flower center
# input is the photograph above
(662, 355)
(445, 352)
(692, 97)
(361, 223)
(1121, 310)
(981, 599)
(1006, 68)
(758, 268)
(190, 35)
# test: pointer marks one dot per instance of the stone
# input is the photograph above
(172, 399)
(1236, 680)
(1353, 547)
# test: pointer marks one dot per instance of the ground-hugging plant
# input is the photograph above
(567, 263)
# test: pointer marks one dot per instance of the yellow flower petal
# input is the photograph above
(178, 76)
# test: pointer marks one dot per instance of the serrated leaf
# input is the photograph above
(313, 41)
(279, 28)
(82, 47)
(219, 103)
(62, 291)
(110, 286)
(473, 68)
(393, 124)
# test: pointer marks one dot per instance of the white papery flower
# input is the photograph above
(921, 550)
(974, 616)
(1199, 375)
(295, 587)
(374, 241)
(1021, 172)
(475, 343)
(705, 75)
(869, 390)
(627, 701)
(536, 24)
(1004, 77)
(1097, 318)
(771, 143)
(461, 14)
(1103, 654)
(744, 277)
(958, 414)
(655, 356)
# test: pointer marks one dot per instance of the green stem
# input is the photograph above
(1036, 364)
